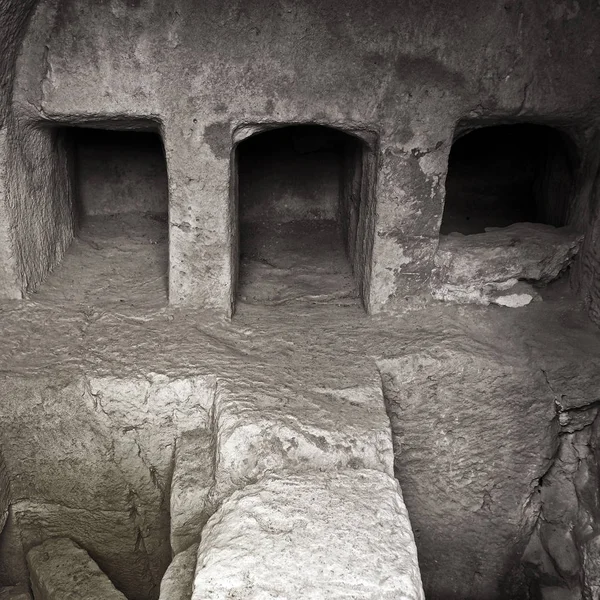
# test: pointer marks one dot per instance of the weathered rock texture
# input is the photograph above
(327, 535)
(61, 570)
(472, 496)
(193, 479)
(476, 432)
(106, 483)
(322, 428)
(286, 390)
(405, 75)
(290, 390)
(563, 555)
(343, 436)
(488, 267)
(15, 593)
(178, 581)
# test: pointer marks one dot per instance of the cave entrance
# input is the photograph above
(119, 194)
(302, 200)
(505, 174)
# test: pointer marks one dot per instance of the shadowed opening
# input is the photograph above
(301, 193)
(507, 174)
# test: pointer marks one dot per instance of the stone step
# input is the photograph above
(329, 536)
(61, 570)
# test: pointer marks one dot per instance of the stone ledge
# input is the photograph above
(321, 536)
(492, 267)
(61, 570)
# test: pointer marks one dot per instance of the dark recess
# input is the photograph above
(507, 174)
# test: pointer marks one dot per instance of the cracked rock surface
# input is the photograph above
(61, 570)
(492, 267)
(321, 536)
(94, 399)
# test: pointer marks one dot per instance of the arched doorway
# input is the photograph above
(301, 191)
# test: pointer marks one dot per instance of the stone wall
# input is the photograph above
(119, 172)
(106, 484)
(406, 74)
(480, 450)
(14, 16)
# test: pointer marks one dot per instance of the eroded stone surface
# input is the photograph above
(132, 546)
(178, 580)
(442, 77)
(563, 554)
(193, 478)
(104, 485)
(322, 536)
(15, 593)
(489, 267)
(474, 429)
(263, 427)
(287, 351)
(61, 570)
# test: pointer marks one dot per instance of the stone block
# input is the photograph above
(178, 580)
(474, 430)
(61, 570)
(489, 267)
(323, 536)
(270, 428)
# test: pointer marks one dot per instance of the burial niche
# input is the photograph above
(506, 174)
(302, 198)
(120, 207)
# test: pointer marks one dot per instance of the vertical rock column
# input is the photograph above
(201, 227)
(409, 208)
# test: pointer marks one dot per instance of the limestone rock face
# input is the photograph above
(268, 428)
(563, 554)
(190, 487)
(178, 580)
(105, 484)
(61, 570)
(321, 536)
(15, 593)
(490, 267)
(474, 429)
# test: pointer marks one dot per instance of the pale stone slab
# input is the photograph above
(178, 580)
(61, 570)
(264, 428)
(320, 536)
(490, 267)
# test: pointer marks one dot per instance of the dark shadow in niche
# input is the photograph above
(505, 174)
(120, 208)
(302, 200)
